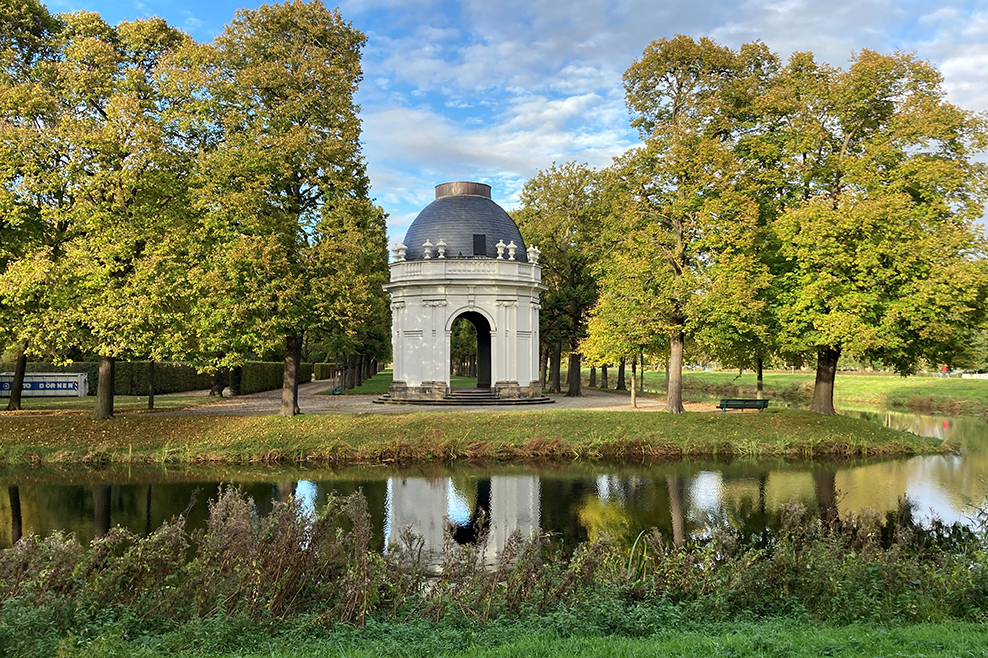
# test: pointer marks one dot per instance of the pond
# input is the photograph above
(574, 503)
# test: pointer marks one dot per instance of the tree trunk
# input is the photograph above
(593, 377)
(574, 376)
(17, 387)
(603, 376)
(554, 365)
(16, 528)
(359, 370)
(641, 372)
(151, 385)
(823, 389)
(101, 509)
(667, 376)
(620, 382)
(674, 396)
(350, 374)
(289, 386)
(634, 389)
(104, 388)
(219, 383)
(759, 388)
(543, 365)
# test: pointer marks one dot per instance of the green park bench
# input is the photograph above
(741, 403)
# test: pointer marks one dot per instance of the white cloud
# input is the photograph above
(537, 81)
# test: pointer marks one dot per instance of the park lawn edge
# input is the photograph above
(495, 436)
(770, 636)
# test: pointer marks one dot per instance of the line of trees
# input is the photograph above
(775, 210)
(167, 199)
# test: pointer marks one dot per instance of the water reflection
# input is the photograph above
(573, 503)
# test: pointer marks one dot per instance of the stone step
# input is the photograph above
(466, 401)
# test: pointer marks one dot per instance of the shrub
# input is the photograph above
(318, 565)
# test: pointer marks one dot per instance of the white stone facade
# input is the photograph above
(428, 295)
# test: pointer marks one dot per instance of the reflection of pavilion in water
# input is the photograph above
(501, 505)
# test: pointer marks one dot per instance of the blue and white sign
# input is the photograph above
(47, 384)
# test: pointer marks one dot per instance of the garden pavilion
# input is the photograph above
(463, 256)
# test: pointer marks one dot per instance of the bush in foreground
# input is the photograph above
(248, 578)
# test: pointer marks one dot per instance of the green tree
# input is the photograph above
(886, 261)
(735, 313)
(671, 191)
(561, 213)
(102, 179)
(280, 170)
(26, 53)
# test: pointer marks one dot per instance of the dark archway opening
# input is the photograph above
(470, 349)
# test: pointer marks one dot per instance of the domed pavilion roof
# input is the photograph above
(465, 218)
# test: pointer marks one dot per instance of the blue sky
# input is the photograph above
(495, 91)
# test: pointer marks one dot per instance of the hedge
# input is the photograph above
(257, 376)
(324, 370)
(131, 377)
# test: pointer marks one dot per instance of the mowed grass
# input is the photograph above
(920, 393)
(735, 640)
(379, 383)
(121, 404)
(496, 436)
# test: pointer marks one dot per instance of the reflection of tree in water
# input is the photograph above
(825, 485)
(16, 530)
(560, 505)
(102, 504)
(376, 493)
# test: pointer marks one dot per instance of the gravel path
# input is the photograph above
(268, 402)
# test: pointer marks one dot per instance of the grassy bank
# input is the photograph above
(428, 437)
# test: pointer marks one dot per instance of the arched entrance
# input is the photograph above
(483, 353)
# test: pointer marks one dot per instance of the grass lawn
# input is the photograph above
(737, 640)
(379, 383)
(499, 436)
(953, 394)
(121, 404)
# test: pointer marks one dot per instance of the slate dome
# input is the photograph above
(461, 212)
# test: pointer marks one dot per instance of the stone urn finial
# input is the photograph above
(441, 247)
(400, 250)
(533, 255)
(500, 249)
(512, 248)
(427, 250)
